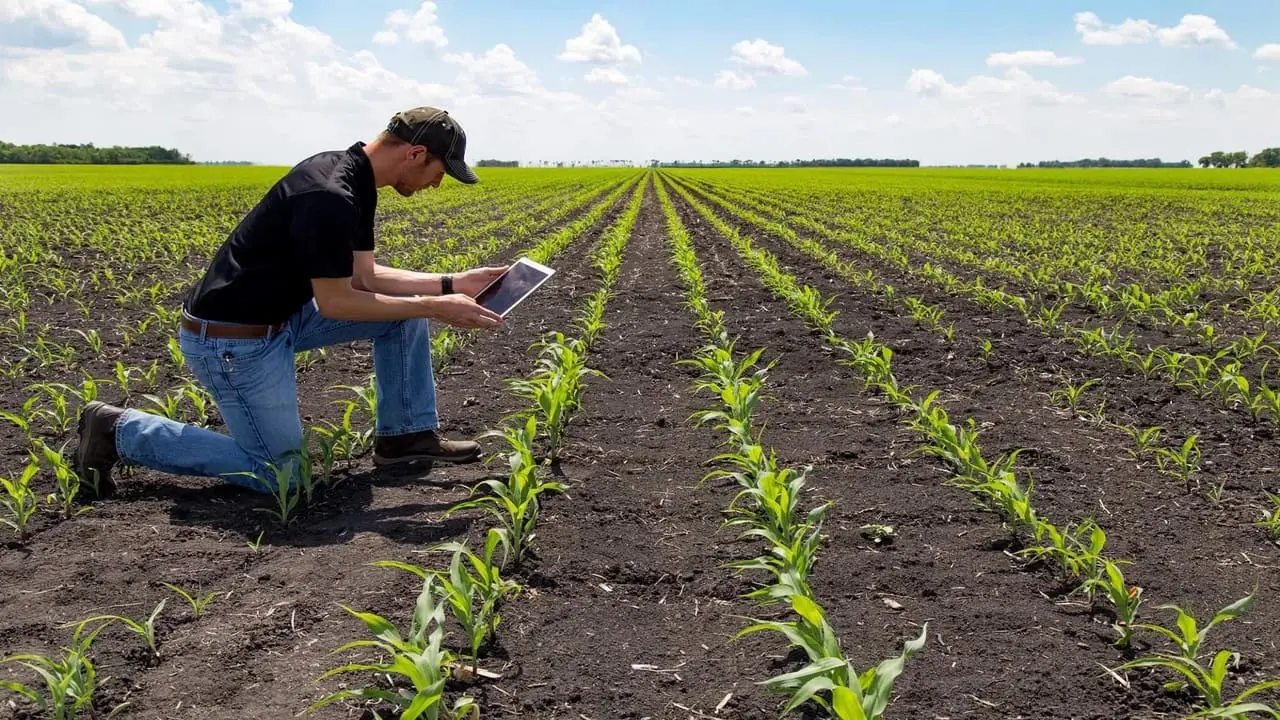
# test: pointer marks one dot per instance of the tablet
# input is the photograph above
(511, 287)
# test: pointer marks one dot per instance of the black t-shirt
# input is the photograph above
(306, 226)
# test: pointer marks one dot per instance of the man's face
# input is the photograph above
(420, 170)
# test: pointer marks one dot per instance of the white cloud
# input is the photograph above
(599, 43)
(927, 82)
(1270, 51)
(1130, 32)
(691, 82)
(262, 8)
(422, 27)
(1026, 58)
(1243, 98)
(1195, 30)
(794, 104)
(1145, 88)
(745, 110)
(760, 56)
(497, 71)
(1016, 85)
(731, 80)
(607, 75)
(63, 20)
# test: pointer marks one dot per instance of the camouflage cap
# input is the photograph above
(439, 133)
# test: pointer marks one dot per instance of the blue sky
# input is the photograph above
(222, 78)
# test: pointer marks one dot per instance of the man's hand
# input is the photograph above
(463, 311)
(471, 282)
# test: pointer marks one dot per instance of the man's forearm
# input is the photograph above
(368, 306)
(394, 281)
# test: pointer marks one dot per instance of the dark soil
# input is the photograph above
(627, 611)
(1183, 550)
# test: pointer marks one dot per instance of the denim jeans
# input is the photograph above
(253, 383)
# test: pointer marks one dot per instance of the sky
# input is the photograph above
(939, 81)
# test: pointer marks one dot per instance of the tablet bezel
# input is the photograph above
(548, 272)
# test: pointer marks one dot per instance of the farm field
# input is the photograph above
(998, 419)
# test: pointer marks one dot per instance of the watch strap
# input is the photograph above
(446, 284)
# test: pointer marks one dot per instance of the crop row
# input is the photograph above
(473, 589)
(1225, 374)
(1180, 460)
(769, 509)
(1076, 550)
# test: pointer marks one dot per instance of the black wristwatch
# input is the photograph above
(446, 284)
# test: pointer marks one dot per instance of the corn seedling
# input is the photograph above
(419, 657)
(1125, 600)
(145, 629)
(68, 483)
(20, 501)
(69, 681)
(555, 386)
(1071, 394)
(829, 680)
(1270, 522)
(514, 502)
(197, 603)
(1181, 463)
(1144, 439)
(473, 594)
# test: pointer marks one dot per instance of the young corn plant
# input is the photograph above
(829, 680)
(514, 501)
(1270, 522)
(1182, 462)
(1125, 600)
(1205, 681)
(20, 501)
(419, 657)
(69, 681)
(1070, 394)
(68, 482)
(1144, 439)
(198, 603)
(144, 629)
(473, 589)
(555, 387)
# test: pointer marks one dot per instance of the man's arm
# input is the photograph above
(338, 299)
(371, 277)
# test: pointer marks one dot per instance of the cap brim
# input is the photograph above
(458, 170)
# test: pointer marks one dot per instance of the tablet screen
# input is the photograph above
(508, 290)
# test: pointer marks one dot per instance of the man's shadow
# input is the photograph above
(337, 514)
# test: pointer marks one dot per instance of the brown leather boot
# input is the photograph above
(96, 453)
(423, 445)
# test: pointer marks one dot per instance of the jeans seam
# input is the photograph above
(405, 399)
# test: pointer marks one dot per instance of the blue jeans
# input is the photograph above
(253, 383)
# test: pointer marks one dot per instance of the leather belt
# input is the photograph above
(214, 329)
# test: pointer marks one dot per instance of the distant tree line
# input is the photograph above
(1107, 163)
(1267, 158)
(497, 163)
(90, 155)
(831, 162)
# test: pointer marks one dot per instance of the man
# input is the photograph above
(299, 273)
